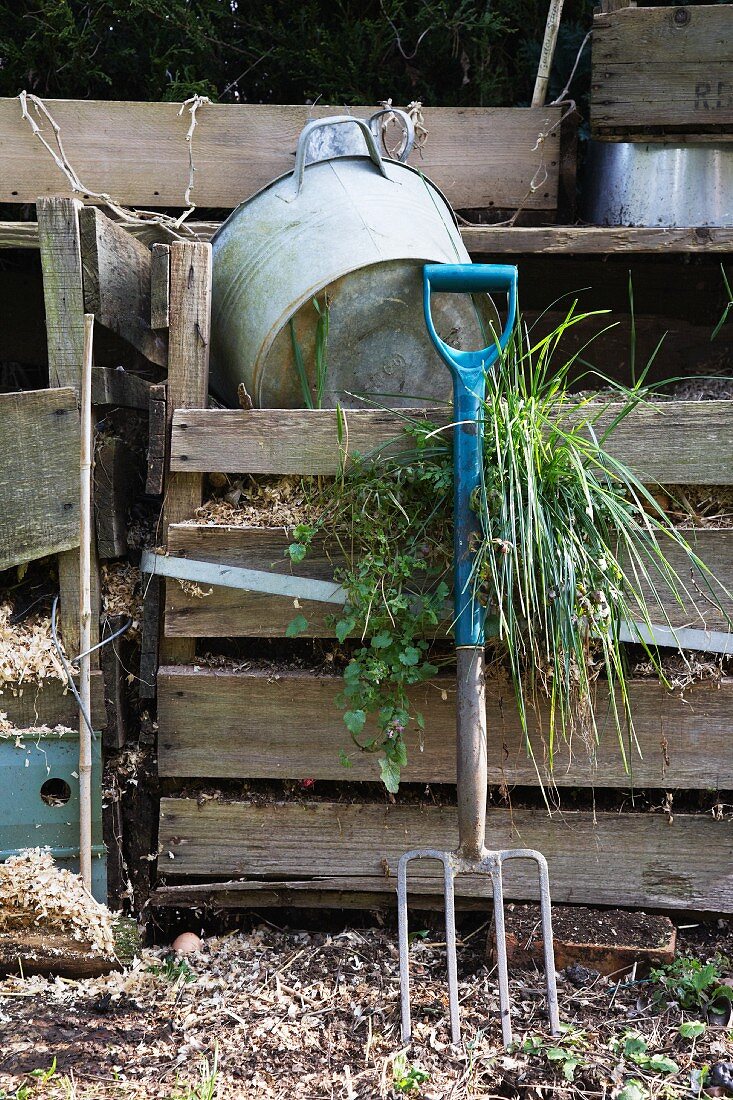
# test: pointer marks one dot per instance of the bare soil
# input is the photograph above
(311, 1015)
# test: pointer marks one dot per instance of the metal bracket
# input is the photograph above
(248, 580)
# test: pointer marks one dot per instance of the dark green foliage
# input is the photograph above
(451, 52)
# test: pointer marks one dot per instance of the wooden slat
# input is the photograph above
(227, 612)
(188, 380)
(137, 152)
(588, 240)
(160, 278)
(480, 240)
(663, 70)
(259, 724)
(48, 704)
(157, 440)
(115, 386)
(672, 442)
(39, 474)
(325, 893)
(60, 244)
(116, 480)
(116, 270)
(602, 859)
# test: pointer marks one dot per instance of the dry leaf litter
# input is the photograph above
(258, 502)
(315, 1016)
(36, 894)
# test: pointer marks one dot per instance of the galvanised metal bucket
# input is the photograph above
(353, 232)
(634, 183)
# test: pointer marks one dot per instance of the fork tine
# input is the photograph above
(450, 948)
(505, 1008)
(404, 946)
(553, 1010)
(450, 940)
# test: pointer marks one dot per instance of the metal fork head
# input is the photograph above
(490, 863)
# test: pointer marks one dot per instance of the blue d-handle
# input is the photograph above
(468, 369)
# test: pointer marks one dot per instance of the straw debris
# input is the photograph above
(259, 502)
(36, 894)
(27, 653)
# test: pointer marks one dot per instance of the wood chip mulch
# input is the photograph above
(312, 1015)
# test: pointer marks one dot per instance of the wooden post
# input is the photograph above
(189, 319)
(60, 246)
(548, 52)
(85, 609)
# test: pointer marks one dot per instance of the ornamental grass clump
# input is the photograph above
(574, 548)
(572, 553)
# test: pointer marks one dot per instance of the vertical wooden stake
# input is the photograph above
(548, 52)
(85, 609)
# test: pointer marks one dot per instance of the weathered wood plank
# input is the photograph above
(588, 240)
(319, 893)
(60, 244)
(157, 440)
(51, 953)
(480, 240)
(137, 152)
(49, 704)
(226, 612)
(39, 474)
(116, 272)
(672, 442)
(260, 724)
(115, 386)
(150, 639)
(115, 481)
(602, 859)
(188, 381)
(160, 278)
(666, 70)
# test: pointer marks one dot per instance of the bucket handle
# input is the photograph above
(322, 123)
(408, 139)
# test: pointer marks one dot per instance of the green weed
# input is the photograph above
(174, 969)
(693, 985)
(568, 1053)
(407, 1076)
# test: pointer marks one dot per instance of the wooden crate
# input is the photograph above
(661, 74)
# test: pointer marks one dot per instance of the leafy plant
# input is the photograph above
(388, 521)
(206, 1088)
(691, 1029)
(174, 969)
(568, 1054)
(633, 1047)
(407, 1076)
(692, 984)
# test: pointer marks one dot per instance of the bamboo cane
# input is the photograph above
(85, 608)
(548, 52)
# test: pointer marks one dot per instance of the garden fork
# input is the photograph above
(468, 369)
